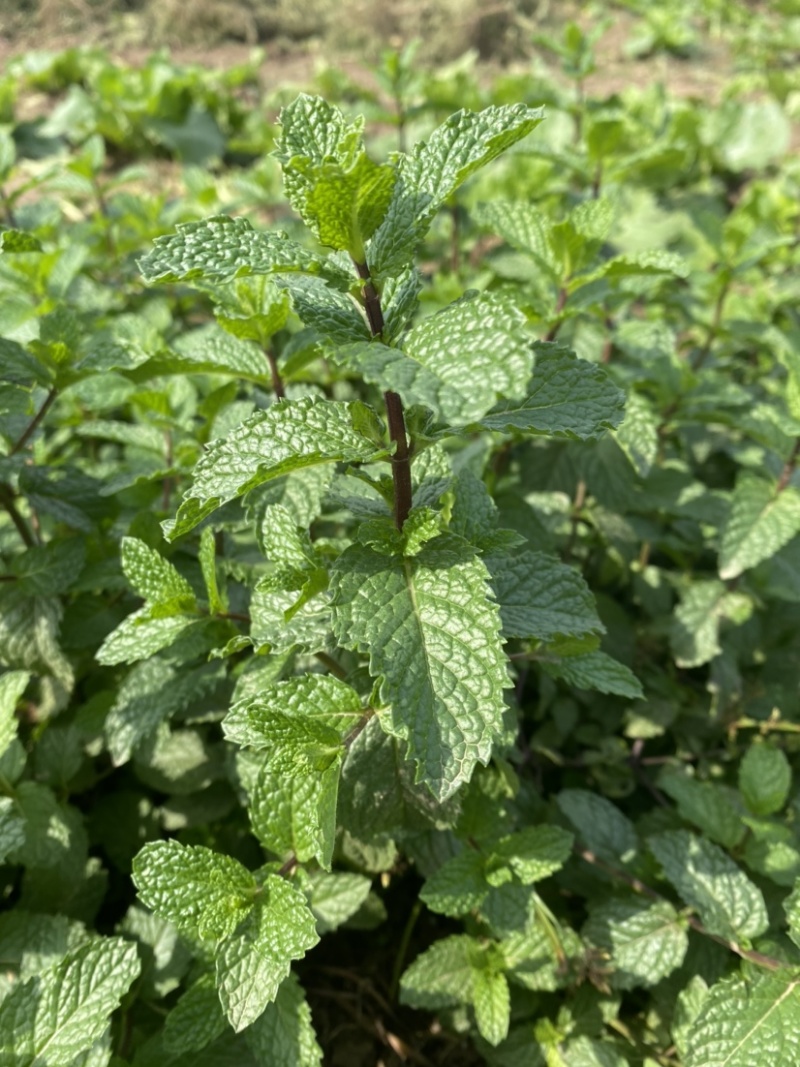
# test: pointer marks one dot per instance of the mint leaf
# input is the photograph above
(12, 686)
(607, 832)
(646, 941)
(12, 828)
(694, 634)
(296, 814)
(196, 1020)
(596, 670)
(286, 437)
(478, 349)
(336, 897)
(432, 635)
(458, 886)
(252, 963)
(283, 1035)
(762, 520)
(53, 1018)
(541, 597)
(462, 145)
(221, 248)
(153, 577)
(530, 854)
(491, 999)
(200, 891)
(765, 778)
(706, 804)
(730, 905)
(747, 1020)
(568, 398)
(312, 702)
(140, 636)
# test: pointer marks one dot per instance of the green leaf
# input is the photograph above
(153, 577)
(706, 804)
(334, 316)
(607, 832)
(694, 634)
(491, 999)
(791, 907)
(645, 941)
(252, 963)
(12, 686)
(336, 897)
(762, 520)
(462, 145)
(149, 695)
(478, 349)
(442, 975)
(196, 1020)
(198, 890)
(458, 886)
(432, 634)
(541, 597)
(569, 398)
(221, 248)
(12, 828)
(52, 1018)
(139, 637)
(378, 794)
(747, 1020)
(296, 715)
(296, 814)
(530, 854)
(217, 602)
(730, 905)
(638, 434)
(283, 1035)
(765, 778)
(286, 437)
(596, 670)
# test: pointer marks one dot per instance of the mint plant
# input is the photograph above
(420, 587)
(372, 683)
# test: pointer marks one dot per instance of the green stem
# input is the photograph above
(32, 425)
(402, 950)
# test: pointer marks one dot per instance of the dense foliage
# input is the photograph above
(400, 599)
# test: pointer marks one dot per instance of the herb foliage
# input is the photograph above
(429, 569)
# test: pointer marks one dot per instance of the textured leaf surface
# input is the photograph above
(140, 636)
(150, 694)
(765, 778)
(458, 886)
(462, 145)
(645, 941)
(296, 813)
(196, 1020)
(596, 670)
(531, 854)
(433, 637)
(708, 805)
(607, 832)
(744, 1022)
(479, 349)
(491, 1000)
(335, 897)
(441, 976)
(223, 248)
(153, 577)
(762, 521)
(287, 436)
(283, 1036)
(542, 597)
(729, 904)
(193, 887)
(310, 700)
(12, 828)
(569, 397)
(252, 963)
(694, 635)
(12, 686)
(49, 1020)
